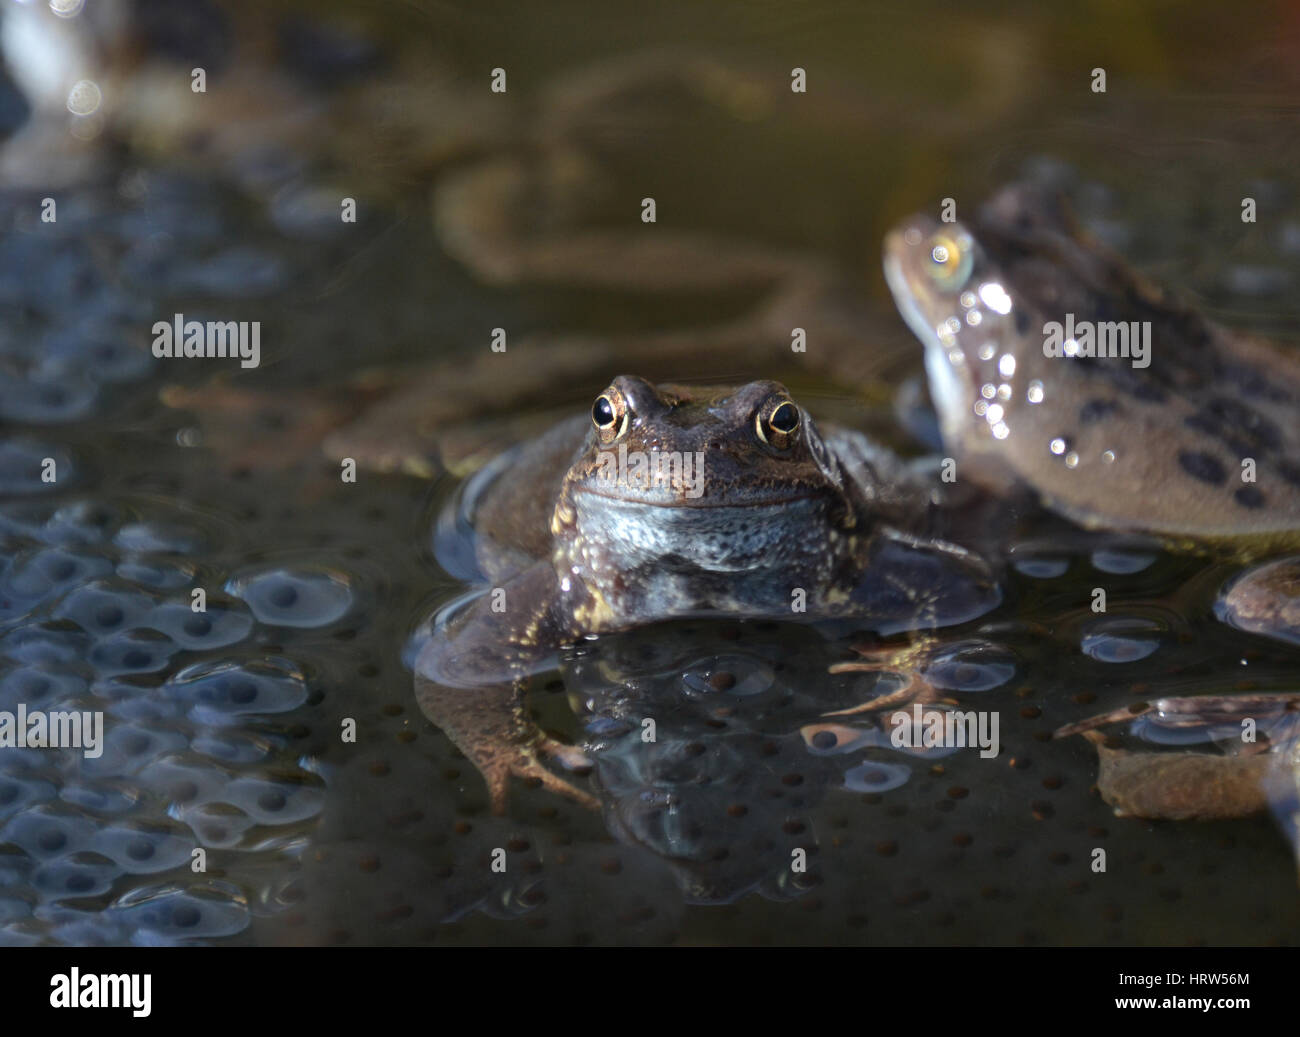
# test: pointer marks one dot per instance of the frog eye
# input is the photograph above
(609, 415)
(776, 422)
(950, 261)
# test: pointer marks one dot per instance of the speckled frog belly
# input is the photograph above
(1122, 406)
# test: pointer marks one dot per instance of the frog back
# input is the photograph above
(1120, 404)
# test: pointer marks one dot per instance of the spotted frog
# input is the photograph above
(1193, 436)
(1197, 440)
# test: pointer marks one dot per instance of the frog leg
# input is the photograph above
(1265, 601)
(912, 583)
(470, 680)
(1180, 786)
(903, 660)
(491, 727)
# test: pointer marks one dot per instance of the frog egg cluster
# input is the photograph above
(80, 288)
(971, 666)
(95, 615)
(294, 597)
(1122, 639)
(23, 460)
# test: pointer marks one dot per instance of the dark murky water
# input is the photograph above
(224, 730)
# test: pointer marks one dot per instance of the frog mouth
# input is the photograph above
(709, 537)
(946, 389)
(649, 498)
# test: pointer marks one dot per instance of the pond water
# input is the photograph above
(277, 731)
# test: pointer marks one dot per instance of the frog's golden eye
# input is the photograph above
(950, 261)
(609, 415)
(777, 422)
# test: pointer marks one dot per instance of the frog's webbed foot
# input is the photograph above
(1265, 600)
(1193, 785)
(489, 725)
(910, 583)
(1181, 786)
(470, 678)
(904, 660)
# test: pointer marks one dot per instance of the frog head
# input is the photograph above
(956, 300)
(716, 480)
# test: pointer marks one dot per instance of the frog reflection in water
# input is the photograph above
(785, 521)
(1157, 446)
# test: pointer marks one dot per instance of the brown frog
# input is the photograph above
(670, 502)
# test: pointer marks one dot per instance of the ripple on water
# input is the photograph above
(299, 597)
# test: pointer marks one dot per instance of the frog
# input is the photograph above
(769, 516)
(1196, 444)
(1156, 444)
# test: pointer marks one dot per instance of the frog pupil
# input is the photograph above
(602, 413)
(785, 418)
